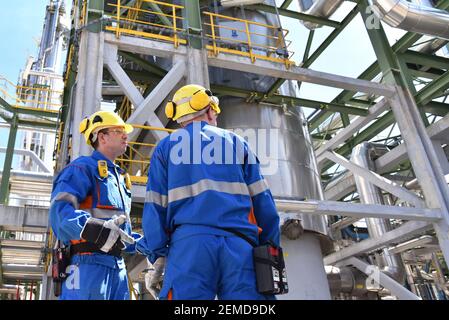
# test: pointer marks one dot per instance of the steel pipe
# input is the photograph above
(411, 17)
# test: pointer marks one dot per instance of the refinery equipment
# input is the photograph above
(360, 180)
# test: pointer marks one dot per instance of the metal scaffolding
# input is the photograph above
(135, 53)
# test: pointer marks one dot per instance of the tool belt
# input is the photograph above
(269, 266)
(89, 247)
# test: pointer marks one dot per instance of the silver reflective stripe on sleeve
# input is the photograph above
(257, 187)
(104, 213)
(207, 185)
(157, 198)
(65, 196)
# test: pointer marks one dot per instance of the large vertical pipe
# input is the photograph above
(370, 194)
(280, 139)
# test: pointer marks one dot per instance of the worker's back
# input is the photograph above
(205, 199)
(207, 187)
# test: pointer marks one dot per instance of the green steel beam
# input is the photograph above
(433, 107)
(307, 63)
(156, 8)
(37, 113)
(318, 119)
(373, 70)
(4, 186)
(280, 81)
(345, 95)
(400, 46)
(279, 99)
(276, 85)
(145, 6)
(360, 103)
(395, 72)
(437, 108)
(318, 136)
(145, 64)
(95, 11)
(308, 45)
(431, 74)
(285, 4)
(433, 89)
(406, 75)
(295, 15)
(388, 62)
(425, 59)
(379, 125)
(6, 105)
(193, 20)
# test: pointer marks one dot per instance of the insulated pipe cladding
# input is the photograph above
(279, 136)
(362, 155)
(281, 141)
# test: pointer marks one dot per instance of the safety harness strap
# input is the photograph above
(89, 247)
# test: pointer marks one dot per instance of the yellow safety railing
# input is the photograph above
(125, 109)
(83, 13)
(134, 14)
(49, 247)
(136, 161)
(273, 45)
(40, 98)
(59, 134)
(132, 23)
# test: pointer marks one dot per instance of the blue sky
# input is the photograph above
(21, 23)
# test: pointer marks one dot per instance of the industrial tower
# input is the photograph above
(368, 217)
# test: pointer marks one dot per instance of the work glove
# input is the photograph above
(154, 278)
(106, 233)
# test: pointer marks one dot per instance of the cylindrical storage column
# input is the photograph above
(281, 141)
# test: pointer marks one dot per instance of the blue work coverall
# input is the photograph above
(203, 179)
(79, 192)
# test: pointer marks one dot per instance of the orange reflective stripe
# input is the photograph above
(77, 241)
(100, 206)
(170, 294)
(87, 203)
(252, 220)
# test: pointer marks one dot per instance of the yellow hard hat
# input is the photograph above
(100, 120)
(191, 99)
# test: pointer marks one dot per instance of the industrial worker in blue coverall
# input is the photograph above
(90, 207)
(190, 200)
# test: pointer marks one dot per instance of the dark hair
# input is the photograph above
(95, 143)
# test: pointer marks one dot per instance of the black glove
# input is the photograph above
(106, 234)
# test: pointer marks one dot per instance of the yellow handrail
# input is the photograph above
(83, 14)
(135, 160)
(132, 22)
(41, 98)
(218, 43)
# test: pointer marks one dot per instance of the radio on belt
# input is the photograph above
(269, 264)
